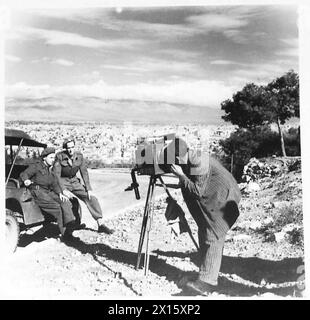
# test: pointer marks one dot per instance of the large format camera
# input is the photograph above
(155, 155)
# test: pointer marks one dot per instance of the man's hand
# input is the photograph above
(63, 198)
(27, 182)
(67, 193)
(90, 193)
(177, 170)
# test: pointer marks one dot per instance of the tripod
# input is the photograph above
(147, 222)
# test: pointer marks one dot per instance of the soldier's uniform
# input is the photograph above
(66, 168)
(212, 196)
(45, 190)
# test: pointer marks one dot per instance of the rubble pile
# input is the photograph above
(294, 164)
(276, 213)
(258, 169)
(269, 167)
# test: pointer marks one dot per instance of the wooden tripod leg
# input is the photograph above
(148, 229)
(144, 223)
(165, 187)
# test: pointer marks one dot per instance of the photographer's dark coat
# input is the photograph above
(211, 194)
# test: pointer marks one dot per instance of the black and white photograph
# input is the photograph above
(153, 151)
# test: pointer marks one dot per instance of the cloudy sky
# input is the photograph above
(147, 64)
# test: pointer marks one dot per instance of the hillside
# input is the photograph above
(263, 254)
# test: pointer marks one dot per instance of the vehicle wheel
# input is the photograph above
(11, 232)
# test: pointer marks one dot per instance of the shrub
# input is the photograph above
(260, 142)
(292, 142)
(289, 214)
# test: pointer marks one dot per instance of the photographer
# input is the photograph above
(212, 196)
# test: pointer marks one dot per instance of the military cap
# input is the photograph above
(67, 140)
(47, 151)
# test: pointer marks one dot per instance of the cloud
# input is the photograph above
(63, 62)
(11, 58)
(198, 93)
(292, 52)
(106, 19)
(123, 67)
(80, 15)
(55, 37)
(235, 35)
(259, 73)
(291, 42)
(225, 62)
(22, 90)
(217, 22)
(228, 21)
(291, 49)
(149, 65)
(180, 54)
(95, 73)
(146, 30)
(59, 61)
(152, 64)
(194, 25)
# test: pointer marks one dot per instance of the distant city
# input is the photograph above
(114, 144)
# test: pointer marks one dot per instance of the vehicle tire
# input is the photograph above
(11, 231)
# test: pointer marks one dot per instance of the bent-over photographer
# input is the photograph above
(212, 196)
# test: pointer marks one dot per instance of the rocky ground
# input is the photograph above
(263, 254)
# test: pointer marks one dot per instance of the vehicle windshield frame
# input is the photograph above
(19, 138)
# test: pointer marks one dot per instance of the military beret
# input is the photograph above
(67, 140)
(47, 151)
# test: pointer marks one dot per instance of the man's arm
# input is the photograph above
(84, 175)
(28, 173)
(197, 188)
(199, 167)
(56, 184)
(57, 172)
(58, 189)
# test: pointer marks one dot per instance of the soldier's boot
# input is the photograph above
(68, 237)
(102, 228)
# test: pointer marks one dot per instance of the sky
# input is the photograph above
(164, 64)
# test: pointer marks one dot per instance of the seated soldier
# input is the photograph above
(47, 193)
(68, 163)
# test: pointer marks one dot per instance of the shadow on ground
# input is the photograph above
(48, 230)
(251, 269)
